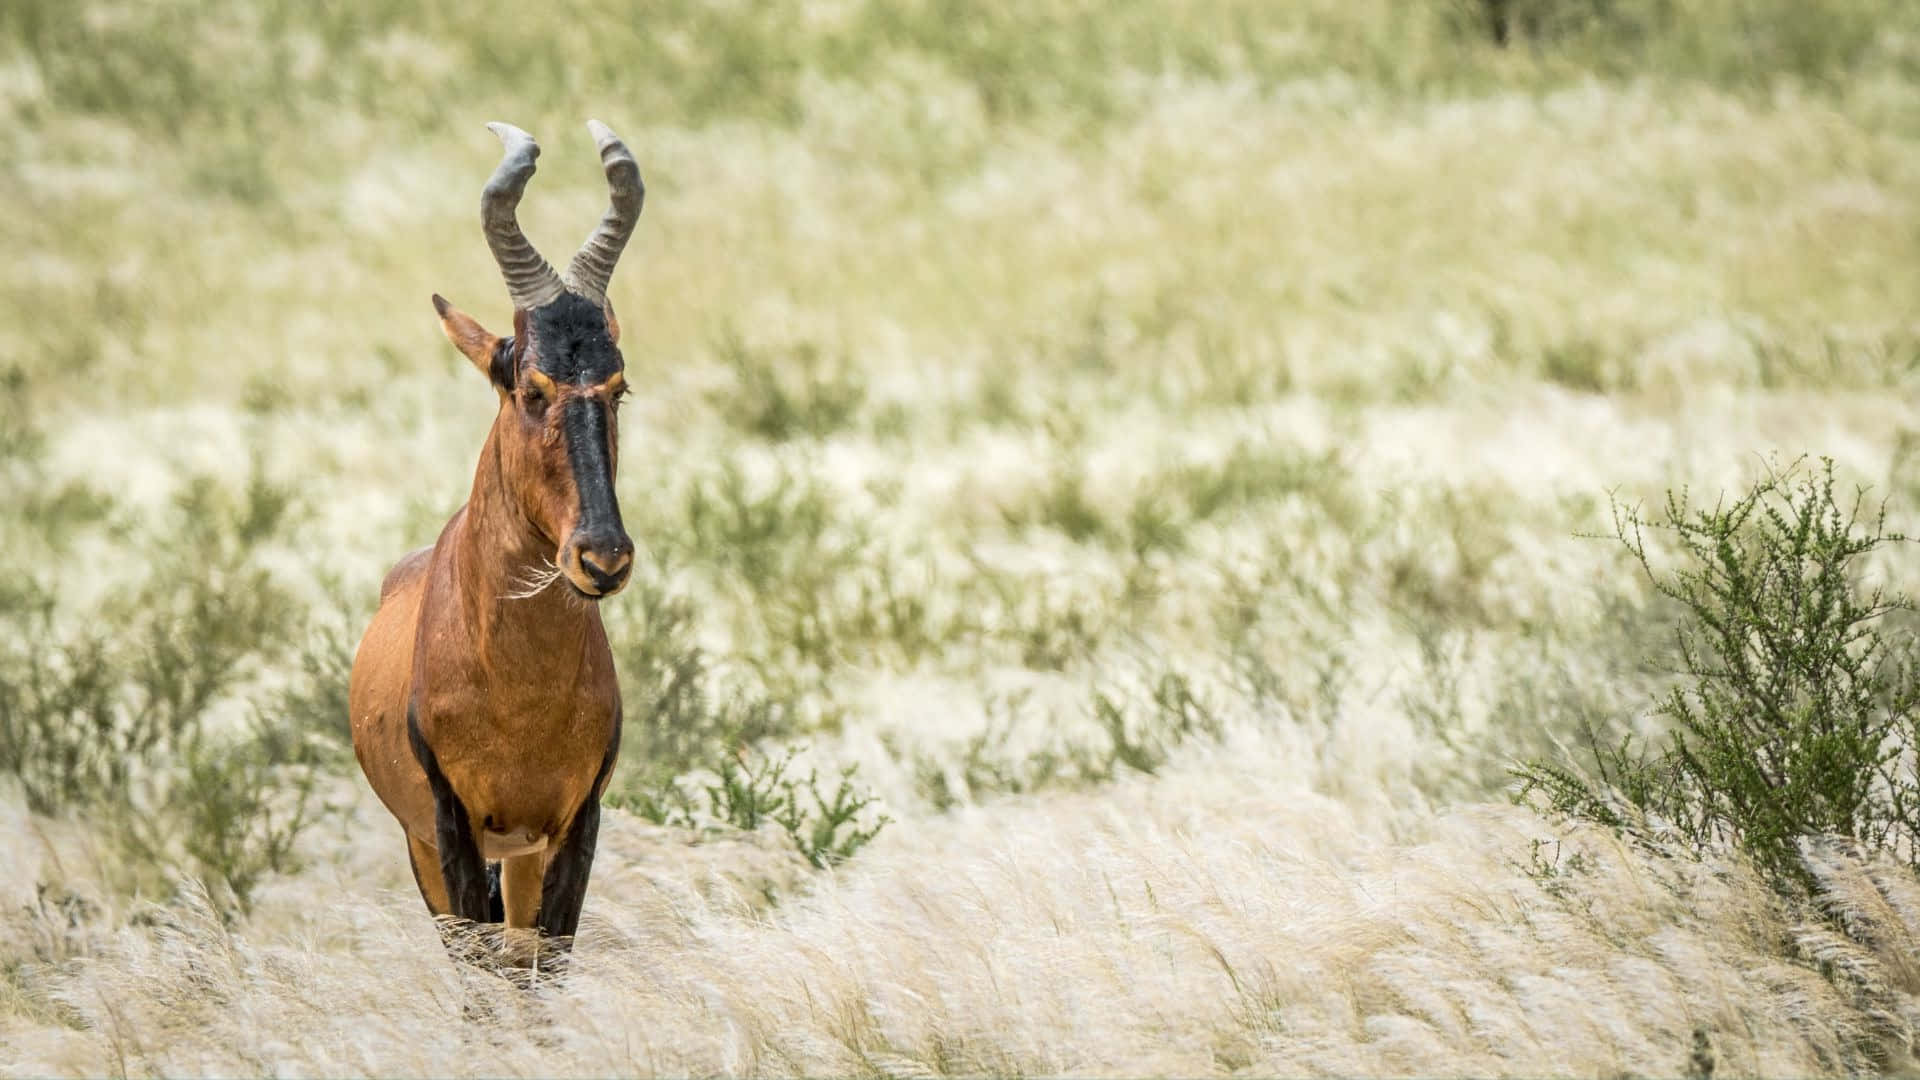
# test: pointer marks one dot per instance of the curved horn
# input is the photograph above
(531, 283)
(592, 268)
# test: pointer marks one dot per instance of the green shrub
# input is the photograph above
(1797, 712)
(789, 394)
(132, 712)
(745, 790)
(829, 830)
(684, 722)
(677, 718)
(782, 539)
(311, 713)
(746, 793)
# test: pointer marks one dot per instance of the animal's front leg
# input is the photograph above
(565, 886)
(460, 863)
(461, 866)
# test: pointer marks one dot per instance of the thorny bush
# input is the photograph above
(1798, 708)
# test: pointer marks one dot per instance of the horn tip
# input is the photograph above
(510, 134)
(602, 134)
(440, 305)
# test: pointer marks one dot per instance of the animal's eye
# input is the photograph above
(532, 396)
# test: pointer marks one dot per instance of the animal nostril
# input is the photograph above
(606, 569)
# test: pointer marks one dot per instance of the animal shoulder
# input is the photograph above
(410, 566)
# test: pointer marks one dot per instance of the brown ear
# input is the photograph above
(473, 340)
(613, 324)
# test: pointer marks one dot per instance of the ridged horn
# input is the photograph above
(592, 268)
(531, 283)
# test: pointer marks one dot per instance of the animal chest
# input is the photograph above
(526, 760)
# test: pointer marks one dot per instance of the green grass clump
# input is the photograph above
(1063, 506)
(746, 791)
(1798, 713)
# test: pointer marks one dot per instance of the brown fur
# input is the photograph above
(515, 694)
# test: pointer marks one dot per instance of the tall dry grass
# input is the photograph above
(1210, 922)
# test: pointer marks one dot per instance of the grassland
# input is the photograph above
(1155, 447)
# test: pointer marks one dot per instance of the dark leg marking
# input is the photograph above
(460, 863)
(564, 888)
(496, 904)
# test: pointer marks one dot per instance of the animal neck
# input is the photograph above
(522, 618)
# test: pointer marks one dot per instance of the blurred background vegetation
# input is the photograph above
(274, 168)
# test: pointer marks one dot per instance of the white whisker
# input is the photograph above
(533, 581)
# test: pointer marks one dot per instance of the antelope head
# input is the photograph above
(560, 377)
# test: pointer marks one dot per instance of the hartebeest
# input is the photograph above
(485, 709)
